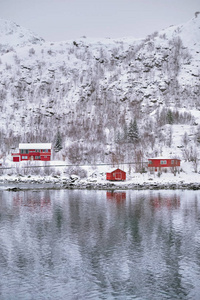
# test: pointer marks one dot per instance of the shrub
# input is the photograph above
(77, 171)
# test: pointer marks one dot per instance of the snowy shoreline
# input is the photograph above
(95, 178)
(17, 184)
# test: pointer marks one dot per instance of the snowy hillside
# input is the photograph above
(13, 35)
(110, 100)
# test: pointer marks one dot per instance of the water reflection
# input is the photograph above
(32, 200)
(159, 201)
(116, 196)
(99, 245)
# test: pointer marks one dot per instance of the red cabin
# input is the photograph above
(116, 175)
(33, 151)
(156, 164)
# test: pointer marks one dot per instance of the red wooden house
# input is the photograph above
(158, 164)
(33, 151)
(116, 175)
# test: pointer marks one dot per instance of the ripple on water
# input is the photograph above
(81, 245)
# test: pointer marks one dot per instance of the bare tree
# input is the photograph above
(194, 159)
(185, 139)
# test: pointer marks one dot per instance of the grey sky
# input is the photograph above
(58, 20)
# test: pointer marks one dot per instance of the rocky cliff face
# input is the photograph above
(89, 91)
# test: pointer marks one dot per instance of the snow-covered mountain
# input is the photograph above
(93, 91)
(12, 35)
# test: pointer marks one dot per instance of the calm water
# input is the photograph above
(100, 245)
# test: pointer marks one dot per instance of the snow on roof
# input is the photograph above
(164, 158)
(35, 146)
(111, 170)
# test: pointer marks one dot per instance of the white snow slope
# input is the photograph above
(90, 90)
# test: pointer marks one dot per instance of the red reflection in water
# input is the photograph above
(169, 202)
(43, 202)
(117, 196)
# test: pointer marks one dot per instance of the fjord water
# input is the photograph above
(78, 244)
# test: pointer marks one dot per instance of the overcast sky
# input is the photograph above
(58, 20)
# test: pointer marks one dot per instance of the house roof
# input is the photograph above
(164, 158)
(113, 170)
(35, 146)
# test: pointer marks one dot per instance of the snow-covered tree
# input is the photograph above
(170, 118)
(58, 142)
(133, 133)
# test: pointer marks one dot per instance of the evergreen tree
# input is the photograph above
(58, 142)
(133, 133)
(118, 137)
(170, 118)
(125, 132)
